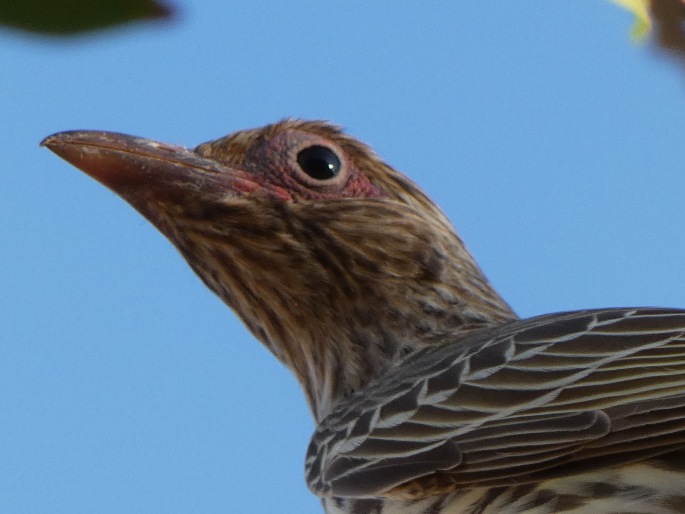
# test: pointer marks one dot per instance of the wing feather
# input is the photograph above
(532, 399)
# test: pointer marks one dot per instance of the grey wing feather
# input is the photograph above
(530, 400)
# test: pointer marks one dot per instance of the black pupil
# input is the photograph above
(319, 162)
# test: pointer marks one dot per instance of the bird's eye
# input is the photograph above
(319, 162)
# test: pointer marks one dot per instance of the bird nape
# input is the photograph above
(429, 394)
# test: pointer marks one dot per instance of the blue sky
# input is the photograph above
(553, 143)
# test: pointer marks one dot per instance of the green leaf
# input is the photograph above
(75, 16)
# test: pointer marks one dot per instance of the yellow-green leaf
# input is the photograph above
(642, 20)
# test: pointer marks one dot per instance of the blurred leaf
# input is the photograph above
(669, 26)
(664, 20)
(642, 20)
(74, 16)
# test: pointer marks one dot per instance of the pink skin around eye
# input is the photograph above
(284, 181)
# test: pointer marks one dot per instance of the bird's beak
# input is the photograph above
(144, 171)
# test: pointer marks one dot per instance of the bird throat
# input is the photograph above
(338, 299)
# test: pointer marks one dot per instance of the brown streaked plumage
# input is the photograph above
(429, 394)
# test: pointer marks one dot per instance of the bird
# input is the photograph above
(429, 394)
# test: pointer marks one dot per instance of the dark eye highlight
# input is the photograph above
(319, 162)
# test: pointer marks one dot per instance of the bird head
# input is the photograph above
(339, 264)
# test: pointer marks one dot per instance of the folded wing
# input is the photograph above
(530, 400)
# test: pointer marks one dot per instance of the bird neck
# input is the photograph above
(361, 297)
(337, 298)
(390, 317)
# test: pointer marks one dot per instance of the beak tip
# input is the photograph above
(49, 141)
(54, 141)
